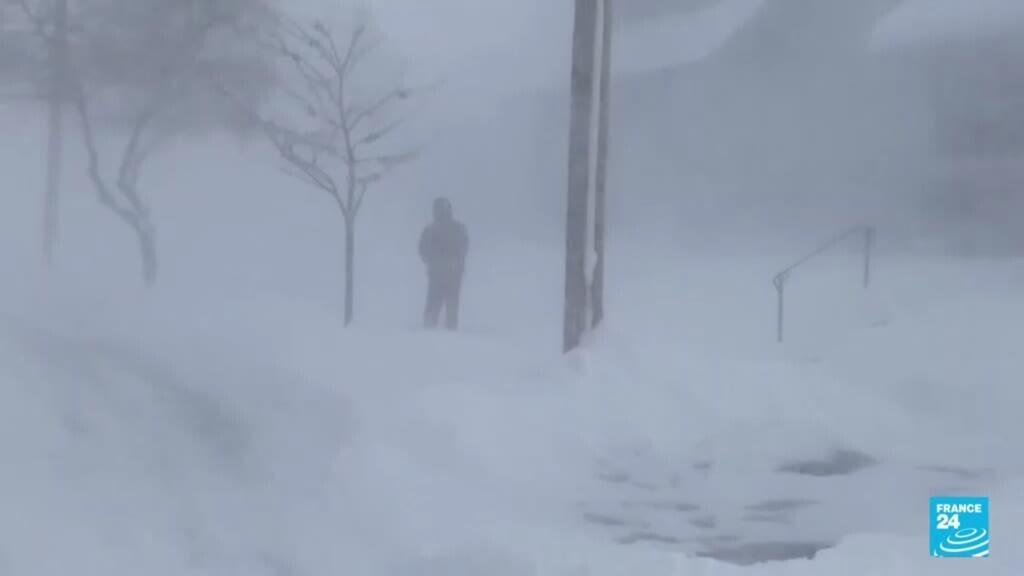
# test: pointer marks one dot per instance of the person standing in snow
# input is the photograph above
(443, 248)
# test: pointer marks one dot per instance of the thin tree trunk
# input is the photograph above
(147, 252)
(350, 256)
(54, 156)
(55, 144)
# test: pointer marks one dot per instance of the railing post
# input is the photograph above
(869, 241)
(780, 287)
(780, 278)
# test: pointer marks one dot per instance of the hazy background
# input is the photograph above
(735, 123)
(225, 420)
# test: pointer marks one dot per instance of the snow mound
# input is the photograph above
(260, 438)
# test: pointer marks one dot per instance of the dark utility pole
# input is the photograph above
(588, 148)
(601, 178)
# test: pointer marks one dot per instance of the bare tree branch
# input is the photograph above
(363, 185)
(351, 57)
(327, 48)
(387, 161)
(309, 40)
(132, 158)
(309, 166)
(39, 22)
(104, 193)
(361, 115)
(380, 133)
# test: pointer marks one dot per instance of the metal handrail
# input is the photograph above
(780, 279)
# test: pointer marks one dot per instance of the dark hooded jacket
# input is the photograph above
(444, 244)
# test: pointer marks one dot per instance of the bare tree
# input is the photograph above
(155, 57)
(21, 17)
(141, 68)
(338, 137)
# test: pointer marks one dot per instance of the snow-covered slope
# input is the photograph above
(133, 455)
(259, 438)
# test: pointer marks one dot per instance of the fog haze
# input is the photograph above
(723, 419)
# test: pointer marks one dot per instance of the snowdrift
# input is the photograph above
(257, 437)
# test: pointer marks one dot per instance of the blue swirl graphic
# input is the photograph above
(967, 542)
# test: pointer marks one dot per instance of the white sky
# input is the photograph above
(494, 43)
(496, 47)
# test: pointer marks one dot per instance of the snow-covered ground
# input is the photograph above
(156, 435)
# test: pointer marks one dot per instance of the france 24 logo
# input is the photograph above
(959, 527)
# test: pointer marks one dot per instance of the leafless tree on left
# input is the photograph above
(139, 69)
(18, 21)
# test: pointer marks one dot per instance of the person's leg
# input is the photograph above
(451, 320)
(435, 298)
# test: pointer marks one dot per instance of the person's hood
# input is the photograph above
(443, 210)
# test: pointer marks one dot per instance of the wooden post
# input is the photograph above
(601, 183)
(581, 113)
